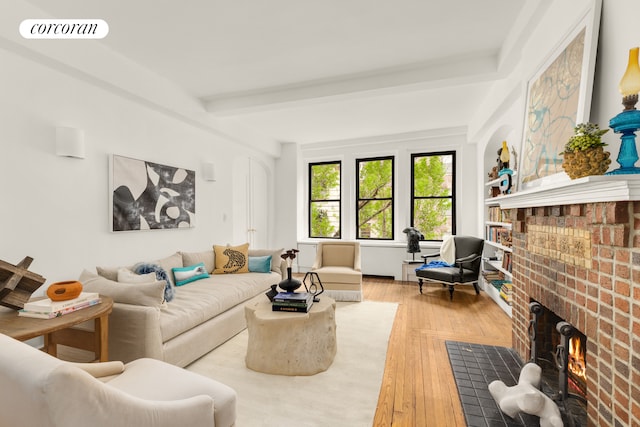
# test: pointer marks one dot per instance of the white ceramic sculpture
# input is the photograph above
(526, 397)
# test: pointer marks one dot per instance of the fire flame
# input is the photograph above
(577, 362)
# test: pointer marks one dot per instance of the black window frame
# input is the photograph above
(358, 199)
(453, 188)
(311, 201)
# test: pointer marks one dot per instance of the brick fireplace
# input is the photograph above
(582, 261)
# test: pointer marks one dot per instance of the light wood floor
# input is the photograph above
(418, 388)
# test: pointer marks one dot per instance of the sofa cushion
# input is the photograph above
(146, 294)
(231, 259)
(339, 275)
(260, 264)
(206, 257)
(167, 264)
(110, 273)
(184, 275)
(170, 262)
(339, 255)
(161, 274)
(275, 257)
(207, 298)
(127, 276)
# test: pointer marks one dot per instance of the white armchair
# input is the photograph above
(37, 389)
(338, 266)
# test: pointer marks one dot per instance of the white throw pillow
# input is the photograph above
(127, 276)
(147, 294)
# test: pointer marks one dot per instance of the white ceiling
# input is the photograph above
(308, 71)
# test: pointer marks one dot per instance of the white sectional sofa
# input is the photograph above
(202, 315)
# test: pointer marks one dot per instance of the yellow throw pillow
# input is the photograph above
(231, 259)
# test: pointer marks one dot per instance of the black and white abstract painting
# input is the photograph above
(151, 196)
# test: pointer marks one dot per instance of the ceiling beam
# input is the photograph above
(473, 68)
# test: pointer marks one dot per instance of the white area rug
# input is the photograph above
(344, 395)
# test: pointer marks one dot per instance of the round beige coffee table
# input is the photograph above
(285, 343)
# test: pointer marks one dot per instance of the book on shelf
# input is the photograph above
(498, 284)
(497, 214)
(498, 234)
(506, 291)
(506, 261)
(61, 312)
(492, 275)
(46, 305)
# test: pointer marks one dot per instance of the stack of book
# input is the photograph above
(45, 308)
(298, 302)
(506, 292)
(491, 275)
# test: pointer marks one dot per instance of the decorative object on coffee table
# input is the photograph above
(62, 291)
(289, 284)
(272, 292)
(312, 287)
(17, 283)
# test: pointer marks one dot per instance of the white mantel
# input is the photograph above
(590, 189)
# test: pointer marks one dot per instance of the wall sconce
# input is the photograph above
(628, 122)
(70, 142)
(209, 172)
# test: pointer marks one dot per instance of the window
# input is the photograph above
(324, 200)
(374, 193)
(433, 194)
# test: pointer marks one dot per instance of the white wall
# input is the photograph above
(288, 183)
(56, 209)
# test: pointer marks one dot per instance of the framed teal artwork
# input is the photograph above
(558, 98)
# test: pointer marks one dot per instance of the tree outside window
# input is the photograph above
(433, 194)
(324, 200)
(375, 198)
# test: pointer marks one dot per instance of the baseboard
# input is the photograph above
(377, 276)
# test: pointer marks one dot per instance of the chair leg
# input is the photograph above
(420, 284)
(475, 286)
(451, 292)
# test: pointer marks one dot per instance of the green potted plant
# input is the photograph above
(584, 154)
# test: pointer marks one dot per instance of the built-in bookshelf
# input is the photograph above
(496, 263)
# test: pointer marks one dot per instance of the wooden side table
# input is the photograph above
(59, 330)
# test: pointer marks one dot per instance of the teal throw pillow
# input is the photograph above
(260, 264)
(184, 275)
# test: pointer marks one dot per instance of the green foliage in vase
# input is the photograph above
(586, 136)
